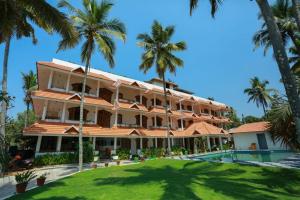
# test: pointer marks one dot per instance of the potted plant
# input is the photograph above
(118, 162)
(106, 164)
(94, 165)
(22, 180)
(40, 181)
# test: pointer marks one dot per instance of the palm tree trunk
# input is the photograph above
(4, 86)
(282, 61)
(296, 6)
(26, 116)
(167, 116)
(81, 115)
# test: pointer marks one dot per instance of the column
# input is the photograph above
(63, 114)
(208, 143)
(195, 146)
(98, 88)
(193, 108)
(117, 94)
(45, 110)
(141, 120)
(68, 83)
(155, 123)
(58, 144)
(116, 118)
(133, 146)
(115, 145)
(155, 142)
(94, 143)
(96, 115)
(154, 103)
(183, 142)
(221, 143)
(141, 98)
(172, 140)
(181, 121)
(50, 80)
(38, 144)
(141, 143)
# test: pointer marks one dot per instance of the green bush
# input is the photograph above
(55, 159)
(88, 152)
(177, 150)
(153, 152)
(123, 154)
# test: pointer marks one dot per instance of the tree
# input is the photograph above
(17, 18)
(94, 29)
(258, 93)
(159, 52)
(234, 119)
(214, 6)
(281, 57)
(282, 126)
(29, 85)
(251, 119)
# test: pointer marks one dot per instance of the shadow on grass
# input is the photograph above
(185, 182)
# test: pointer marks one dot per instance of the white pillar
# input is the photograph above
(141, 143)
(98, 88)
(220, 141)
(208, 143)
(155, 142)
(116, 118)
(50, 80)
(141, 120)
(115, 145)
(117, 94)
(195, 146)
(68, 83)
(45, 110)
(181, 121)
(58, 144)
(38, 144)
(155, 123)
(94, 143)
(133, 146)
(141, 98)
(96, 115)
(214, 141)
(154, 103)
(183, 142)
(63, 114)
(193, 108)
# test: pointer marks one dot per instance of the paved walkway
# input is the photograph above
(7, 184)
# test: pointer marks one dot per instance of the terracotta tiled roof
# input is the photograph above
(251, 128)
(69, 69)
(132, 106)
(203, 128)
(68, 97)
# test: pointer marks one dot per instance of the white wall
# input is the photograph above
(243, 141)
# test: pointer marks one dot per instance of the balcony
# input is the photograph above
(53, 116)
(127, 125)
(128, 100)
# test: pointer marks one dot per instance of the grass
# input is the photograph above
(174, 179)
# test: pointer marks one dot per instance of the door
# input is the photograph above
(104, 118)
(262, 142)
(105, 94)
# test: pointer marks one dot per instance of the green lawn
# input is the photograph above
(172, 179)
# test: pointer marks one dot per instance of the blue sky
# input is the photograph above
(218, 63)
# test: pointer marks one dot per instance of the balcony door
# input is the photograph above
(104, 118)
(105, 94)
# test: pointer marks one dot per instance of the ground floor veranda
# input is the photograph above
(110, 145)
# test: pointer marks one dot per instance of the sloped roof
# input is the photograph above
(204, 128)
(251, 128)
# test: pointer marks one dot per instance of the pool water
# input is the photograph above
(260, 156)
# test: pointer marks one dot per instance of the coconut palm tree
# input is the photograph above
(280, 54)
(214, 6)
(95, 30)
(17, 19)
(29, 84)
(159, 53)
(258, 93)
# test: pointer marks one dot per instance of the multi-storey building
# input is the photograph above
(119, 112)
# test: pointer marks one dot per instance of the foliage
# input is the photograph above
(25, 177)
(251, 119)
(123, 154)
(177, 151)
(235, 120)
(29, 85)
(88, 152)
(213, 3)
(43, 176)
(282, 126)
(258, 93)
(55, 159)
(153, 152)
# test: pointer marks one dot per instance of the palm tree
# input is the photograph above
(159, 52)
(95, 30)
(17, 18)
(29, 84)
(214, 6)
(288, 79)
(258, 93)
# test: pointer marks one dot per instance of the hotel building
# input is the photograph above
(119, 112)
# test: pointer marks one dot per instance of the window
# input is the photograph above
(178, 106)
(206, 111)
(121, 96)
(158, 121)
(120, 119)
(189, 108)
(74, 113)
(167, 85)
(77, 87)
(158, 102)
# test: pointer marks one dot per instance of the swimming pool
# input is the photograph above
(258, 156)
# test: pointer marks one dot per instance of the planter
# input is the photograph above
(142, 159)
(94, 166)
(106, 164)
(118, 162)
(40, 181)
(21, 187)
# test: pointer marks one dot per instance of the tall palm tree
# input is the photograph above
(288, 79)
(214, 6)
(258, 93)
(159, 52)
(29, 84)
(17, 18)
(95, 30)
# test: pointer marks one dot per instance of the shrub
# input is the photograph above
(55, 159)
(123, 154)
(177, 150)
(25, 177)
(153, 152)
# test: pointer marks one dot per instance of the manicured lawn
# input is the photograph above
(171, 179)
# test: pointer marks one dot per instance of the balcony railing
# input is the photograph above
(127, 125)
(128, 100)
